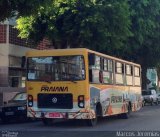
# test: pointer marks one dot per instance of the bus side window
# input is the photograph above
(137, 80)
(108, 71)
(101, 70)
(101, 76)
(119, 73)
(129, 74)
(90, 75)
(91, 59)
(94, 71)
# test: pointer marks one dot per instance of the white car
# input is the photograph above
(150, 96)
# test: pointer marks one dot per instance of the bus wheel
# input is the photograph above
(126, 115)
(47, 121)
(92, 122)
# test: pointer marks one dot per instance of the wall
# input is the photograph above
(2, 33)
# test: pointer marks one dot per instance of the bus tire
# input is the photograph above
(47, 121)
(92, 122)
(127, 114)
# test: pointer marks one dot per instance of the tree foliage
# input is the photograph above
(12, 8)
(96, 24)
(144, 46)
(145, 17)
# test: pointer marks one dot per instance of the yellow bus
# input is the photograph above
(80, 84)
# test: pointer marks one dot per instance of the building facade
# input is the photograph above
(12, 48)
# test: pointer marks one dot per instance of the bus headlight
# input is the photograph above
(81, 101)
(30, 100)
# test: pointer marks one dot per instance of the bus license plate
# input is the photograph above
(55, 115)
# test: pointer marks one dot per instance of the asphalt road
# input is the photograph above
(147, 119)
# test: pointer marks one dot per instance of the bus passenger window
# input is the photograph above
(129, 75)
(118, 67)
(119, 73)
(90, 75)
(94, 70)
(137, 71)
(137, 80)
(108, 72)
(101, 76)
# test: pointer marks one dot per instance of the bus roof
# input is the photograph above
(71, 51)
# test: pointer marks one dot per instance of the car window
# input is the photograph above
(146, 92)
(20, 96)
(153, 92)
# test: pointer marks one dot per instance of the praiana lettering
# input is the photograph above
(54, 89)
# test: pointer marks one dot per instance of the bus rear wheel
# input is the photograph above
(92, 122)
(127, 114)
(47, 121)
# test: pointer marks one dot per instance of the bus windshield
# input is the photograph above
(56, 68)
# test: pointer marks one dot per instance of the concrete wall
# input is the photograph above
(4, 62)
(18, 51)
(7, 50)
(4, 52)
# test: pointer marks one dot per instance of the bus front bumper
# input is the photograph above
(62, 115)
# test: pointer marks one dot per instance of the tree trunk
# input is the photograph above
(144, 78)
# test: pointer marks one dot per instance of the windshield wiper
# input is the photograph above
(70, 79)
(48, 81)
(73, 81)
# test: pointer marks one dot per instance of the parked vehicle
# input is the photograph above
(15, 108)
(150, 96)
(80, 84)
(158, 94)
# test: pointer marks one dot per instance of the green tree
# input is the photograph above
(144, 46)
(96, 24)
(16, 8)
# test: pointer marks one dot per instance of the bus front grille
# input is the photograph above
(57, 101)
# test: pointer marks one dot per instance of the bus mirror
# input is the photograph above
(23, 61)
(91, 58)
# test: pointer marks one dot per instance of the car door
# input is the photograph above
(154, 94)
(158, 95)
